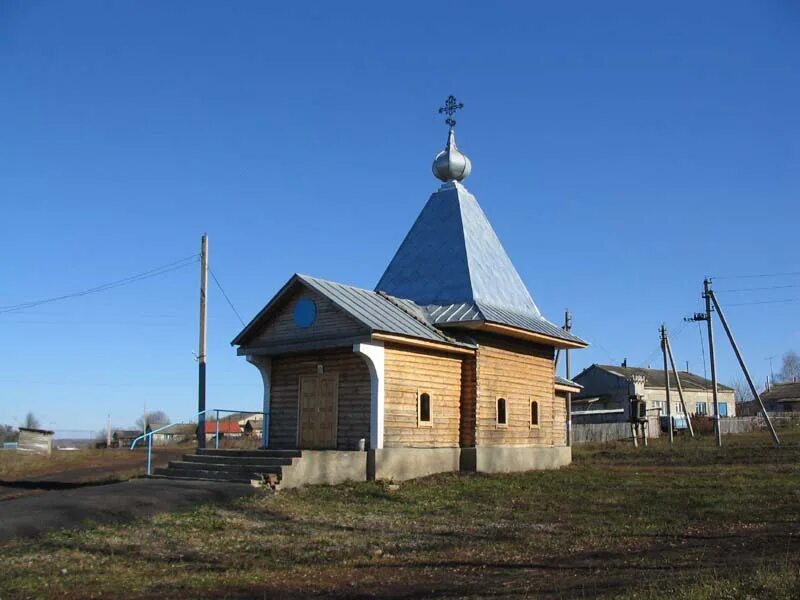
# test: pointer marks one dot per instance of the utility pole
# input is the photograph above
(567, 328)
(666, 382)
(743, 365)
(680, 387)
(108, 431)
(201, 358)
(707, 296)
(706, 316)
(771, 372)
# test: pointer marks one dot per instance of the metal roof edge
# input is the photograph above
(238, 340)
(312, 282)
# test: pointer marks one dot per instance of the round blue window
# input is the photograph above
(305, 312)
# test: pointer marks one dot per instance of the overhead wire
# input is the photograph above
(163, 269)
(784, 301)
(756, 275)
(674, 336)
(233, 308)
(703, 354)
(757, 289)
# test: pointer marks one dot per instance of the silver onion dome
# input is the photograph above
(451, 164)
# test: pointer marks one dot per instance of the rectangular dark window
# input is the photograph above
(501, 411)
(424, 408)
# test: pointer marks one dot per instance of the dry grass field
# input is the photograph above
(85, 466)
(17, 465)
(693, 522)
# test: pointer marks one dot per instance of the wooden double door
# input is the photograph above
(318, 411)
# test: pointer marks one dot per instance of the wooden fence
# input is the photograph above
(597, 433)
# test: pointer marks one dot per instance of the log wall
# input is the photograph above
(520, 372)
(409, 371)
(354, 395)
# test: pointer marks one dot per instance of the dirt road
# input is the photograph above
(72, 508)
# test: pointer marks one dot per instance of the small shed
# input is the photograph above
(780, 398)
(39, 441)
(228, 429)
(171, 433)
(123, 438)
(253, 428)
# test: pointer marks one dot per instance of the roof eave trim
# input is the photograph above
(531, 335)
(560, 387)
(422, 343)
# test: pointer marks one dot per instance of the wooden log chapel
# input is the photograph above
(447, 364)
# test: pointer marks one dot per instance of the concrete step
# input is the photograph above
(185, 478)
(206, 475)
(252, 461)
(223, 467)
(249, 453)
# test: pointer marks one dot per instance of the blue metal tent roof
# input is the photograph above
(453, 263)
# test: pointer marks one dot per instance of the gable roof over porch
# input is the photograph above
(376, 312)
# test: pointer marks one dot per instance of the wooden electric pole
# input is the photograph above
(742, 364)
(201, 357)
(567, 328)
(707, 296)
(680, 387)
(666, 383)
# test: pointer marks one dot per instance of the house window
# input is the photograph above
(424, 409)
(701, 408)
(534, 414)
(502, 417)
(723, 409)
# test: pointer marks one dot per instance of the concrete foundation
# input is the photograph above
(399, 464)
(510, 459)
(324, 466)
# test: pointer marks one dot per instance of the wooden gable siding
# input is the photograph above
(353, 403)
(409, 371)
(520, 372)
(330, 323)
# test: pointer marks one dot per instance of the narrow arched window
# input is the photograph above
(534, 413)
(502, 417)
(424, 409)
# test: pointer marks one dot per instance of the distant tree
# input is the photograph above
(790, 369)
(156, 416)
(31, 422)
(7, 434)
(741, 391)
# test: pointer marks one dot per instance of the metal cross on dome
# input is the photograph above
(450, 107)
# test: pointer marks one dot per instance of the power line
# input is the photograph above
(703, 353)
(673, 336)
(107, 384)
(233, 308)
(757, 289)
(794, 274)
(764, 302)
(168, 268)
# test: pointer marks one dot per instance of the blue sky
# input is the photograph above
(622, 150)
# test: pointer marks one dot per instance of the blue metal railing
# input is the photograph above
(149, 435)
